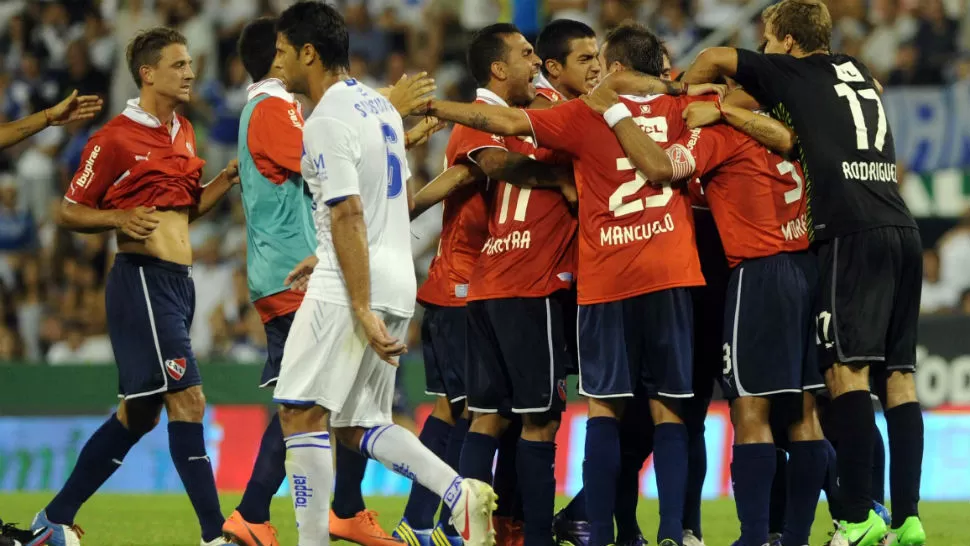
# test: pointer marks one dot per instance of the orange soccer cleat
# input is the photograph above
(508, 532)
(362, 529)
(239, 531)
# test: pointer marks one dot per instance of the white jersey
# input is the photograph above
(353, 144)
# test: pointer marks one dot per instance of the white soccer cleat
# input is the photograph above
(472, 514)
(218, 541)
(690, 539)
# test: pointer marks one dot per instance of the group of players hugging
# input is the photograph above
(599, 219)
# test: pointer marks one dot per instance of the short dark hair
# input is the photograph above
(146, 48)
(257, 47)
(807, 21)
(635, 46)
(553, 41)
(486, 47)
(320, 25)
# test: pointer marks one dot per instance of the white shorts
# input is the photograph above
(328, 362)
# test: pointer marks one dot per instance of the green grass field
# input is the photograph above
(168, 520)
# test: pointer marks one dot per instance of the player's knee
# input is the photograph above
(750, 417)
(140, 415)
(541, 427)
(900, 389)
(443, 410)
(491, 424)
(302, 419)
(606, 407)
(665, 410)
(841, 378)
(186, 405)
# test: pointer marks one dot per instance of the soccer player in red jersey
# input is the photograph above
(637, 257)
(570, 62)
(140, 175)
(757, 199)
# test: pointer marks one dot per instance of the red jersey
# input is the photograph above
(633, 238)
(530, 251)
(757, 197)
(464, 226)
(134, 161)
(275, 137)
(550, 94)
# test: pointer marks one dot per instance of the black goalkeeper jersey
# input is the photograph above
(845, 144)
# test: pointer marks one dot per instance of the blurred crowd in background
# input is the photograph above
(52, 281)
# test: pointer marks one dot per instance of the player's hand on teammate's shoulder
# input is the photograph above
(422, 131)
(702, 114)
(411, 94)
(387, 347)
(74, 108)
(138, 223)
(299, 277)
(232, 171)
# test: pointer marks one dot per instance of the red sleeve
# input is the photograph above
(468, 141)
(558, 128)
(96, 173)
(553, 157)
(700, 151)
(276, 137)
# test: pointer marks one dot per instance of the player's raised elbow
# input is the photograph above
(725, 59)
(661, 172)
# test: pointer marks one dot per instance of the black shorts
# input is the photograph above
(869, 298)
(277, 330)
(769, 342)
(150, 303)
(639, 345)
(443, 338)
(708, 303)
(517, 354)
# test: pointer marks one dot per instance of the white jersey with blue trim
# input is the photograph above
(353, 144)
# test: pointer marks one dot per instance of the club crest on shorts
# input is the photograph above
(561, 389)
(175, 367)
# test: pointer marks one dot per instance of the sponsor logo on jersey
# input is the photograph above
(302, 493)
(294, 118)
(175, 367)
(88, 172)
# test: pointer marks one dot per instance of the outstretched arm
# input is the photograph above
(442, 186)
(73, 108)
(712, 63)
(498, 120)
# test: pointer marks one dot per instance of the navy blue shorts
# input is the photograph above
(150, 303)
(277, 329)
(708, 303)
(517, 354)
(443, 341)
(640, 345)
(769, 334)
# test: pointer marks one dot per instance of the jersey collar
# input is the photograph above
(270, 86)
(541, 81)
(488, 96)
(134, 112)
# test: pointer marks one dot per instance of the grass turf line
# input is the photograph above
(168, 520)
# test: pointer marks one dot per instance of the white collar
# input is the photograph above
(136, 113)
(541, 81)
(271, 86)
(641, 98)
(488, 96)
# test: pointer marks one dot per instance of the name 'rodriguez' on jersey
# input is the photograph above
(634, 238)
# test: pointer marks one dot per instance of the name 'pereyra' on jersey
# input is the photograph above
(845, 143)
(353, 144)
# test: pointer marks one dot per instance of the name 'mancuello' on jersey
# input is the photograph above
(633, 238)
(353, 144)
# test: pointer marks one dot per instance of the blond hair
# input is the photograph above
(807, 21)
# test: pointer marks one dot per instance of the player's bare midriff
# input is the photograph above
(169, 241)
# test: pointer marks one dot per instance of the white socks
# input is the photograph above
(309, 469)
(401, 452)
